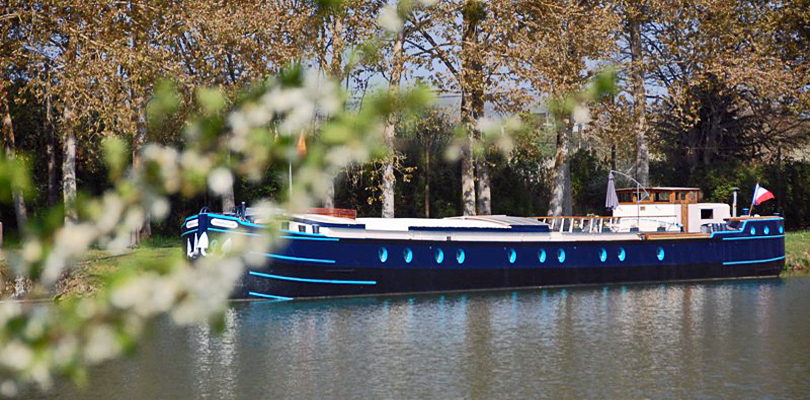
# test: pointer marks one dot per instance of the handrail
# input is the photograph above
(638, 185)
(597, 224)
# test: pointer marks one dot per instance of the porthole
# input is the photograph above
(541, 255)
(439, 256)
(753, 231)
(660, 254)
(383, 254)
(407, 255)
(781, 229)
(622, 254)
(767, 230)
(561, 256)
(460, 256)
(511, 255)
(602, 255)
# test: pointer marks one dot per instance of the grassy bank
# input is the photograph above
(90, 274)
(797, 250)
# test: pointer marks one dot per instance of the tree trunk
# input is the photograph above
(335, 70)
(471, 101)
(228, 200)
(138, 141)
(639, 103)
(50, 150)
(427, 178)
(557, 204)
(389, 179)
(780, 183)
(69, 170)
(476, 89)
(329, 201)
(10, 148)
(484, 192)
(467, 178)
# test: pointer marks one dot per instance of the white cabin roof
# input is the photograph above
(406, 224)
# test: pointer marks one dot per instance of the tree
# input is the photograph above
(572, 32)
(730, 94)
(394, 68)
(233, 46)
(430, 134)
(465, 45)
(634, 15)
(10, 151)
(11, 56)
(336, 28)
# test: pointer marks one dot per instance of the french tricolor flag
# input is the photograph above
(761, 195)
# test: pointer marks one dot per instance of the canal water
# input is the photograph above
(729, 340)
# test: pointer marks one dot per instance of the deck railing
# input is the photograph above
(581, 224)
(596, 224)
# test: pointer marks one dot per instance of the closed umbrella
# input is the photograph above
(611, 200)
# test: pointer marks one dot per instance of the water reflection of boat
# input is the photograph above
(340, 255)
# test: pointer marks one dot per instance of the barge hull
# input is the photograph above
(293, 281)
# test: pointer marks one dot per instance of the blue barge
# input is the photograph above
(325, 256)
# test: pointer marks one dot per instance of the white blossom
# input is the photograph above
(220, 180)
(390, 20)
(581, 114)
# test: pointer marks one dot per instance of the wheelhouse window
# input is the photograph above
(662, 197)
(302, 228)
(706, 213)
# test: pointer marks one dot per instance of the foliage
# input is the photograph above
(39, 340)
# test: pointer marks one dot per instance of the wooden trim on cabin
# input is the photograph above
(689, 196)
(334, 212)
(676, 235)
(752, 217)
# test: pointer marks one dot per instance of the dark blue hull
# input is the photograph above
(316, 265)
(433, 280)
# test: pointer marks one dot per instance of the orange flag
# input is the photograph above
(302, 145)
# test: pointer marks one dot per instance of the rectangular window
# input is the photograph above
(302, 228)
(316, 229)
(662, 197)
(706, 213)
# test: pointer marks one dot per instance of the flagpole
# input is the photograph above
(291, 188)
(753, 199)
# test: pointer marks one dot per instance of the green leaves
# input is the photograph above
(116, 156)
(15, 176)
(164, 103)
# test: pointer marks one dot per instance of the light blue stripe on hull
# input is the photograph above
(234, 232)
(299, 259)
(753, 261)
(754, 237)
(269, 296)
(325, 239)
(309, 280)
